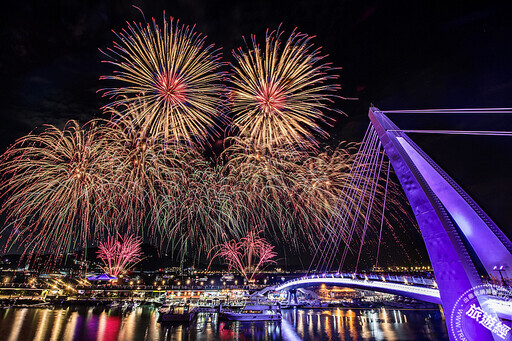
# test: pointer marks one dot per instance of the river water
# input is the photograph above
(89, 324)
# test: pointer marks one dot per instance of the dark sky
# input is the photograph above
(394, 54)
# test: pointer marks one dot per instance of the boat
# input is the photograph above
(170, 313)
(115, 304)
(252, 312)
(130, 305)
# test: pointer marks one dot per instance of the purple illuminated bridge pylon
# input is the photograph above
(461, 240)
(453, 226)
(455, 229)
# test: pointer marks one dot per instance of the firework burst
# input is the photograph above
(248, 256)
(170, 77)
(119, 256)
(54, 188)
(144, 169)
(279, 95)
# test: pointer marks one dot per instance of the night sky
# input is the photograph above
(393, 54)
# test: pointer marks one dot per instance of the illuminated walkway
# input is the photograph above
(414, 287)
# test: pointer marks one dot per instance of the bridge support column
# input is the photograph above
(292, 297)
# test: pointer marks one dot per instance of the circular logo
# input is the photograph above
(479, 313)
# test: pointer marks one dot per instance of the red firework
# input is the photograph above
(248, 256)
(118, 256)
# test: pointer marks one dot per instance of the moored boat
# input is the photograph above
(252, 312)
(177, 313)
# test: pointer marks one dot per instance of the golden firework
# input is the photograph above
(280, 94)
(170, 78)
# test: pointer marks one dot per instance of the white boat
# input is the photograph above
(252, 312)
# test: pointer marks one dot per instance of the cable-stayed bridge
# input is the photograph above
(464, 245)
(419, 288)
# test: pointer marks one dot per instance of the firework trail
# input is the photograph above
(279, 94)
(171, 78)
(291, 193)
(209, 204)
(119, 256)
(54, 188)
(144, 170)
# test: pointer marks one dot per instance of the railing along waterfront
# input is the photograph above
(404, 279)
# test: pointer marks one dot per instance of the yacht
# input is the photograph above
(252, 312)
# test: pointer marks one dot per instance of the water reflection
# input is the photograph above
(16, 324)
(76, 324)
(382, 324)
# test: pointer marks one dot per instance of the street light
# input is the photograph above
(500, 269)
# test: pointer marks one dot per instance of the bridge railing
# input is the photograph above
(404, 279)
(27, 286)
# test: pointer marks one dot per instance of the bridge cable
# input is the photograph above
(328, 228)
(454, 132)
(343, 217)
(451, 111)
(370, 205)
(382, 217)
(327, 232)
(361, 201)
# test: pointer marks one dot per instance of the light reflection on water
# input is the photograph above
(77, 324)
